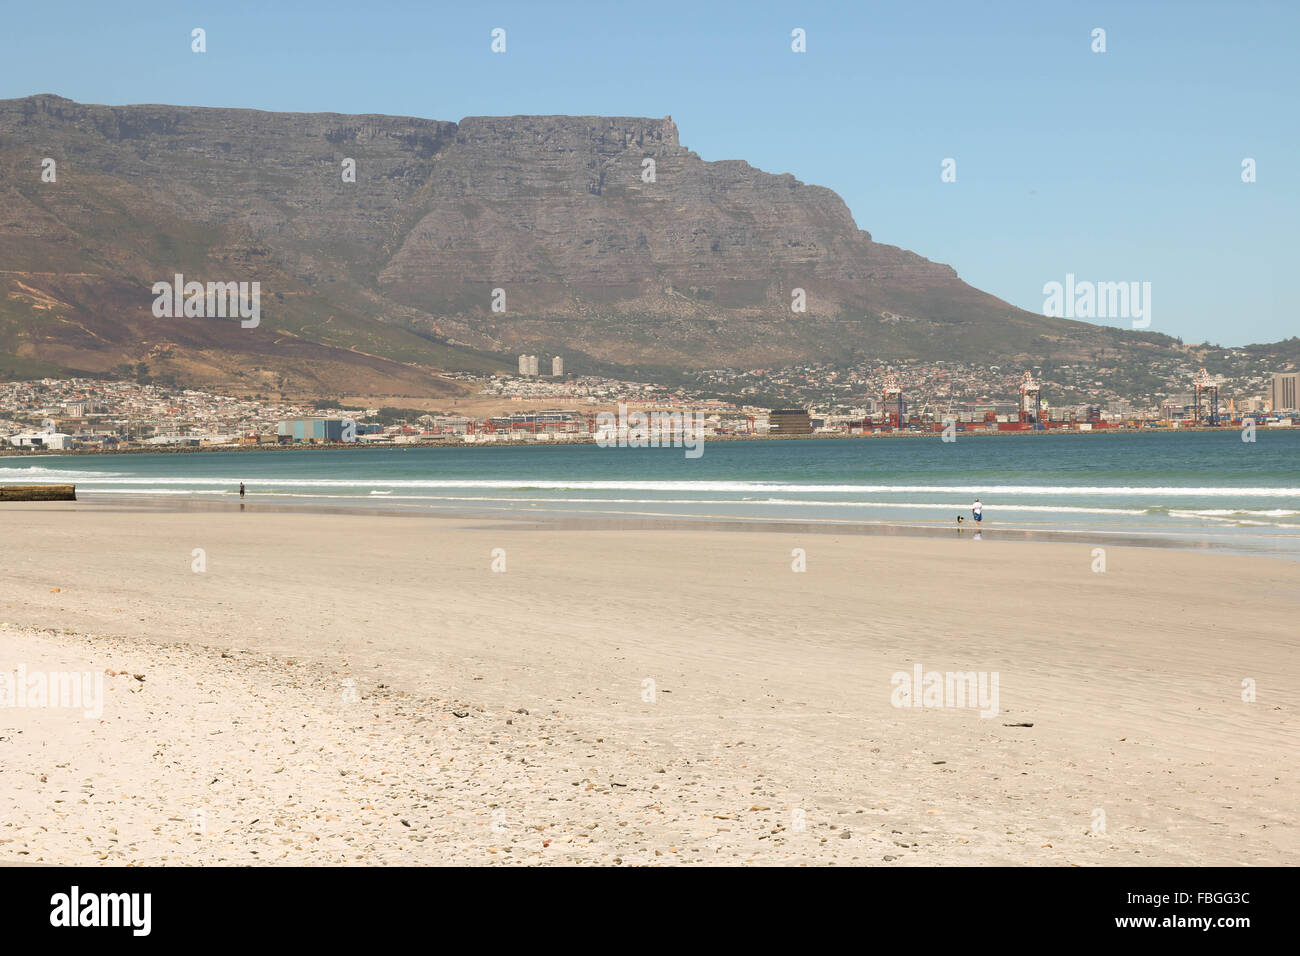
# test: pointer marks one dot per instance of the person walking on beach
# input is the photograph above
(241, 489)
(977, 510)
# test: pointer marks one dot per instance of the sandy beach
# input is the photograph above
(367, 689)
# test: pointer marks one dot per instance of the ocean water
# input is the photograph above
(1202, 487)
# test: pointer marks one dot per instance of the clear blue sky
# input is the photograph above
(1123, 165)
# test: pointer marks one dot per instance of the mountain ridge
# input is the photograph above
(611, 243)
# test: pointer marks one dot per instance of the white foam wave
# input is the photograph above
(738, 487)
(38, 475)
(1228, 512)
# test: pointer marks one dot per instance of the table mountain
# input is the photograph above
(372, 286)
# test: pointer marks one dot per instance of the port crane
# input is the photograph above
(892, 393)
(1029, 391)
(1200, 385)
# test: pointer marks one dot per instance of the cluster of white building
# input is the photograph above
(528, 366)
(89, 412)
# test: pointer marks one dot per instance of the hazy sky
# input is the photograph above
(1117, 166)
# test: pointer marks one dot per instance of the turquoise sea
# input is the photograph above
(1192, 487)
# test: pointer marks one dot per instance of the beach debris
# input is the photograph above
(1018, 725)
(55, 590)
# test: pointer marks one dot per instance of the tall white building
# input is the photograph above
(532, 365)
(523, 365)
(557, 366)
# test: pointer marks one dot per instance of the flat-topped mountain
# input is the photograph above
(611, 243)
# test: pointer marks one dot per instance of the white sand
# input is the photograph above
(773, 696)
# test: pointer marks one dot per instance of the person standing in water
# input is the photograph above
(977, 510)
(241, 489)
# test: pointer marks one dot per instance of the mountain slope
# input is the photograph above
(379, 283)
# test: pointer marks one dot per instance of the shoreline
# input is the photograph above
(556, 520)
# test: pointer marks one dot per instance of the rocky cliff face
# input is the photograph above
(694, 266)
(554, 202)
